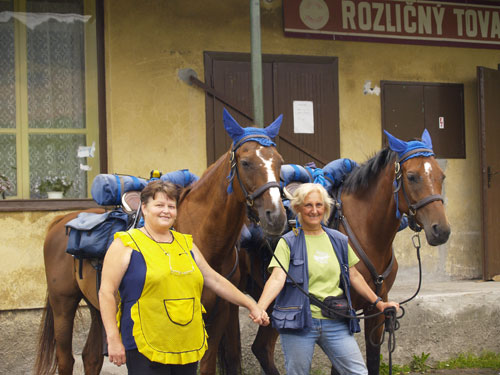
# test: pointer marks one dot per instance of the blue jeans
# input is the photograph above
(333, 337)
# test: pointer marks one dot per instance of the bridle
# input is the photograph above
(399, 184)
(378, 279)
(249, 197)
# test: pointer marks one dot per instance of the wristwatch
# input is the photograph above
(376, 301)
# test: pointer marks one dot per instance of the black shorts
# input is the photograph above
(138, 364)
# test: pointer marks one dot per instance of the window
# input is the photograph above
(48, 95)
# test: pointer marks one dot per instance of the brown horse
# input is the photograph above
(212, 210)
(407, 180)
(215, 218)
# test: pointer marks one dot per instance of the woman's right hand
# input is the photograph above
(116, 352)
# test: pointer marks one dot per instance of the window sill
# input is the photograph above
(16, 205)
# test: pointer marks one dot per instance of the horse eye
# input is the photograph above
(245, 164)
(413, 177)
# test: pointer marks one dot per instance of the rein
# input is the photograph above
(249, 198)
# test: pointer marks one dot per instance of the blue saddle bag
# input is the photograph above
(90, 234)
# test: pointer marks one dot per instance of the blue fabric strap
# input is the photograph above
(296, 172)
(136, 183)
(119, 188)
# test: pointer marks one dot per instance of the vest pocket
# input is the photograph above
(296, 271)
(180, 311)
(287, 317)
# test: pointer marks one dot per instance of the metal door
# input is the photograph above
(489, 138)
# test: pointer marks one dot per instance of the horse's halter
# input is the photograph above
(249, 198)
(399, 184)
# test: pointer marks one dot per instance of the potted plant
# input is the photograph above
(5, 185)
(55, 187)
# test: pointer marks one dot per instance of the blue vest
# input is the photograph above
(292, 308)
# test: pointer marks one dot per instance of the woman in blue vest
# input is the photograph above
(159, 275)
(320, 260)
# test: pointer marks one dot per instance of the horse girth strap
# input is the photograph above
(378, 279)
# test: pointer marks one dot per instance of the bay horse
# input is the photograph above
(403, 178)
(245, 179)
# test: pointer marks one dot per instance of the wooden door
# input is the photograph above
(285, 79)
(489, 138)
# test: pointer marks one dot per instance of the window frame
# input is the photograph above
(16, 205)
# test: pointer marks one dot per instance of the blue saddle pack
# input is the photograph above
(90, 234)
(108, 189)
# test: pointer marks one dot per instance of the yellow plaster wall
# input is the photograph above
(151, 110)
(157, 121)
(22, 275)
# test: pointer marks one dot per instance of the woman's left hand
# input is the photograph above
(384, 305)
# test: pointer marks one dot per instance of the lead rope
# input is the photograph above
(391, 321)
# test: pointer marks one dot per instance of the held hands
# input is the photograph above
(258, 315)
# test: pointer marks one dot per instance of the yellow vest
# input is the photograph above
(168, 325)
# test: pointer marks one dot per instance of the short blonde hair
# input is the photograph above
(300, 194)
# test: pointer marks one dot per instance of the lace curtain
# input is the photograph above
(55, 84)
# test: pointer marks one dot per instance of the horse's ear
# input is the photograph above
(273, 129)
(426, 139)
(232, 127)
(396, 144)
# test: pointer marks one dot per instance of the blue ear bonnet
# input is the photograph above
(237, 133)
(402, 147)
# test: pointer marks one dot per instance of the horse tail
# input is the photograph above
(45, 359)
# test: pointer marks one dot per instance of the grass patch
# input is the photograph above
(485, 360)
(419, 363)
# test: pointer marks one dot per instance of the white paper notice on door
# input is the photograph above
(303, 117)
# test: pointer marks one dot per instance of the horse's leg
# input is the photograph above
(373, 352)
(263, 349)
(64, 309)
(92, 354)
(230, 345)
(217, 320)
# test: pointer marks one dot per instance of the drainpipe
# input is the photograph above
(256, 57)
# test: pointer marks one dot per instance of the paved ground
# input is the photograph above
(446, 319)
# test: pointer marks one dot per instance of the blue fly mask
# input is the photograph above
(240, 135)
(406, 151)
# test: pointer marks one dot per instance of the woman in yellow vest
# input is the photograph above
(159, 275)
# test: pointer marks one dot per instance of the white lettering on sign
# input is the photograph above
(473, 18)
(373, 16)
(428, 22)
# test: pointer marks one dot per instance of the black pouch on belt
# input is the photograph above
(335, 304)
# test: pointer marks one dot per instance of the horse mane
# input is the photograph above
(206, 174)
(361, 177)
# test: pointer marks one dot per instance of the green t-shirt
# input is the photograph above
(324, 267)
